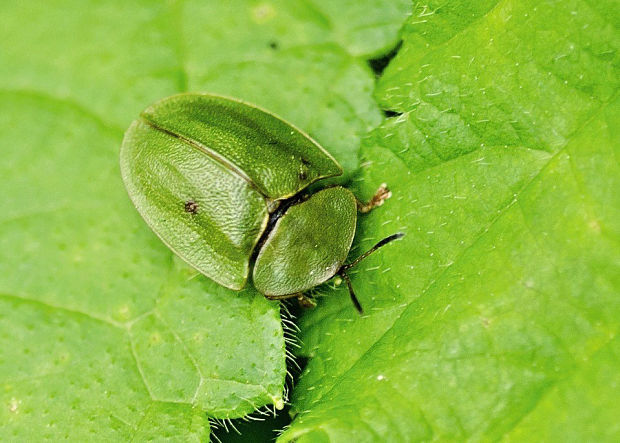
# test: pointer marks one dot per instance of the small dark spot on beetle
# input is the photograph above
(191, 206)
(389, 113)
(274, 45)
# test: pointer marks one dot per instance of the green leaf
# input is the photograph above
(496, 316)
(102, 332)
(364, 28)
(114, 58)
(112, 332)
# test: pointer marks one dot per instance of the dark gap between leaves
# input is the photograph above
(389, 113)
(379, 64)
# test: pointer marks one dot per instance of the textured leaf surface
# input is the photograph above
(102, 333)
(101, 329)
(364, 28)
(496, 316)
(281, 55)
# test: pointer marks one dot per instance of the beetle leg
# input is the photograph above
(354, 299)
(304, 300)
(382, 194)
(281, 297)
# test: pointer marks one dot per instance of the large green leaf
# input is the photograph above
(497, 315)
(103, 334)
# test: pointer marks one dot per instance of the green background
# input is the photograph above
(495, 318)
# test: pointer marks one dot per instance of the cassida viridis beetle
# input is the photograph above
(222, 183)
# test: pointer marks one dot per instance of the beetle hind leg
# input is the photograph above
(381, 195)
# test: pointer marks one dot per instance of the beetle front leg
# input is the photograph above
(382, 194)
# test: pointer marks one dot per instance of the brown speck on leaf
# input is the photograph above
(191, 206)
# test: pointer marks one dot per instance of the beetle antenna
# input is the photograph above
(342, 272)
(383, 242)
(354, 299)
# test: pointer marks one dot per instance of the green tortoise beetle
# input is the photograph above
(222, 183)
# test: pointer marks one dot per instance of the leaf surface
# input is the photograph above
(496, 316)
(112, 332)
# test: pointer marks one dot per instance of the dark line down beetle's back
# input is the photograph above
(223, 184)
